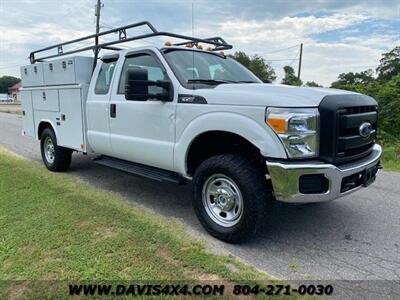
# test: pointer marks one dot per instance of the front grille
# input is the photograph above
(341, 117)
(359, 109)
(358, 150)
(350, 145)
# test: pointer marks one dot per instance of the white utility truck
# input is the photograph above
(181, 113)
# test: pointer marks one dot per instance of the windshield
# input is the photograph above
(193, 67)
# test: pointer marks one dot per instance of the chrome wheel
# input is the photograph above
(222, 200)
(49, 150)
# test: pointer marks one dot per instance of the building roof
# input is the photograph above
(15, 87)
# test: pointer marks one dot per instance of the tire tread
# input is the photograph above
(62, 159)
(253, 184)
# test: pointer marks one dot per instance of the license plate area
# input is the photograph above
(363, 178)
(369, 175)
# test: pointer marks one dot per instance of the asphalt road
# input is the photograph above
(353, 238)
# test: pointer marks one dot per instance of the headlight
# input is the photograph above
(297, 128)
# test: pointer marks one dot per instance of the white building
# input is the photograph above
(5, 98)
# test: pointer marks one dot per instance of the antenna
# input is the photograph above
(193, 35)
(192, 18)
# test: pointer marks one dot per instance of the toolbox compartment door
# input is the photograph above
(70, 125)
(32, 75)
(28, 125)
(46, 100)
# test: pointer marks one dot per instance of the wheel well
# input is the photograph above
(213, 143)
(42, 126)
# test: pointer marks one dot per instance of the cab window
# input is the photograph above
(145, 61)
(103, 81)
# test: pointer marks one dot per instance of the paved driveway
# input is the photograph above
(356, 237)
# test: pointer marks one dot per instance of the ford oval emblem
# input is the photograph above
(365, 129)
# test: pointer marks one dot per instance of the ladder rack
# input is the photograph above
(218, 42)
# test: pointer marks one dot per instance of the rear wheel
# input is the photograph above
(55, 158)
(231, 196)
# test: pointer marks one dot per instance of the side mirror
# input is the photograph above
(137, 86)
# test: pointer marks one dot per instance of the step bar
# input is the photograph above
(140, 170)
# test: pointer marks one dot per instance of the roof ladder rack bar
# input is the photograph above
(92, 36)
(218, 42)
(212, 39)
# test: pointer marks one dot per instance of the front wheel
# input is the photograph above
(55, 158)
(231, 196)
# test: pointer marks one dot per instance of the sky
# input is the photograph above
(338, 36)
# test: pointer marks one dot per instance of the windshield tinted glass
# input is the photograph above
(195, 65)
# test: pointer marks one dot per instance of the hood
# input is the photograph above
(267, 95)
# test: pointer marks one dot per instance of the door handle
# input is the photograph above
(113, 110)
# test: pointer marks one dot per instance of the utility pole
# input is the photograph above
(97, 10)
(300, 59)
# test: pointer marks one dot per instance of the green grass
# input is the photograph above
(56, 228)
(391, 157)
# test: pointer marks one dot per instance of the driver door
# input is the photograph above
(142, 131)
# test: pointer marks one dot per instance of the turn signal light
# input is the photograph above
(167, 43)
(198, 46)
(189, 45)
(278, 125)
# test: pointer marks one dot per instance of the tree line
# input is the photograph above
(382, 84)
(6, 82)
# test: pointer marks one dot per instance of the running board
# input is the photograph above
(139, 169)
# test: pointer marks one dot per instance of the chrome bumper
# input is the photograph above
(285, 177)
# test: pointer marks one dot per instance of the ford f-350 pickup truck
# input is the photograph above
(181, 113)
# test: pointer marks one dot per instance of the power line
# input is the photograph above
(297, 58)
(9, 64)
(283, 59)
(9, 67)
(283, 49)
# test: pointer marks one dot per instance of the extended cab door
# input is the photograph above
(142, 131)
(97, 107)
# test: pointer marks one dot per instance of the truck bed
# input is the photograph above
(55, 92)
(61, 106)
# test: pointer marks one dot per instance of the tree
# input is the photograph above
(386, 93)
(6, 82)
(290, 78)
(256, 64)
(389, 64)
(242, 58)
(351, 78)
(262, 69)
(388, 97)
(312, 84)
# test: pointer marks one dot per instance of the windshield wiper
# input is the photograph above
(207, 81)
(217, 81)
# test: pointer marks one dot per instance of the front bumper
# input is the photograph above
(285, 177)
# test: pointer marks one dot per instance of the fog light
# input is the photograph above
(313, 184)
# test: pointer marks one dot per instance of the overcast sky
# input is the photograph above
(338, 36)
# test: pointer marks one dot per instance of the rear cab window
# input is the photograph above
(105, 75)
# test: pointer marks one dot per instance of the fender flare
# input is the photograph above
(260, 136)
(45, 121)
